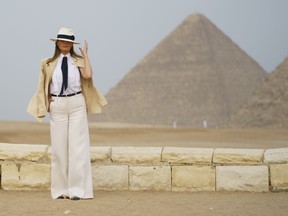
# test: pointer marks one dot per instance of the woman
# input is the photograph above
(65, 89)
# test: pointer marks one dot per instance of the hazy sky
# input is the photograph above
(120, 33)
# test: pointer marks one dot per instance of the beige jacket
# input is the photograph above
(38, 106)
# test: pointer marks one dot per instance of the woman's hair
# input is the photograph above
(57, 52)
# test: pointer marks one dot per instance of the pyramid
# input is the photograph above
(268, 106)
(196, 74)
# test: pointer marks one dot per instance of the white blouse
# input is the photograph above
(74, 82)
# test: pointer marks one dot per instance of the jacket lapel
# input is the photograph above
(49, 72)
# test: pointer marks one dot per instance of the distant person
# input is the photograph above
(65, 89)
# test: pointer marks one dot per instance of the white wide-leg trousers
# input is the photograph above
(70, 148)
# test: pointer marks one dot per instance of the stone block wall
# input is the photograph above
(27, 167)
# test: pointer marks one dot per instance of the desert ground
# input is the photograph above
(131, 135)
(120, 203)
(126, 203)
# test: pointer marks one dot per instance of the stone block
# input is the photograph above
(25, 176)
(238, 156)
(25, 152)
(101, 154)
(174, 155)
(110, 177)
(150, 178)
(136, 155)
(242, 178)
(279, 177)
(279, 155)
(193, 178)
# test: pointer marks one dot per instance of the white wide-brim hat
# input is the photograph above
(65, 34)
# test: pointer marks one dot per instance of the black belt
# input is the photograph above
(69, 95)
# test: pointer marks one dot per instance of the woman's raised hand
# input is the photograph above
(84, 51)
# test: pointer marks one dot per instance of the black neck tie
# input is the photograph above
(64, 68)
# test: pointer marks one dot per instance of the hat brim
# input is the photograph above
(63, 39)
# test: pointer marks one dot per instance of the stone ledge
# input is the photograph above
(174, 155)
(279, 155)
(100, 154)
(24, 152)
(27, 167)
(238, 156)
(136, 155)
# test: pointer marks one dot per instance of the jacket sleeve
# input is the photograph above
(37, 105)
(95, 100)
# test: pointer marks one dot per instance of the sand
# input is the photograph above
(27, 203)
(146, 203)
(127, 135)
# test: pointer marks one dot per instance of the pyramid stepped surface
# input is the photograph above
(195, 74)
(268, 106)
